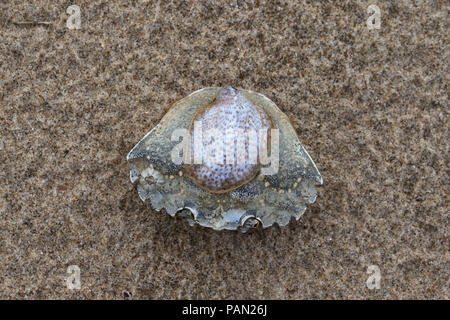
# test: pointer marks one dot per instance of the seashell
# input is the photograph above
(225, 158)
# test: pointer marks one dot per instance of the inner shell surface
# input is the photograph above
(222, 156)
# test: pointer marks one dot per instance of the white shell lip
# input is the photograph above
(231, 211)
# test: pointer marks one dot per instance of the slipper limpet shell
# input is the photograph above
(225, 158)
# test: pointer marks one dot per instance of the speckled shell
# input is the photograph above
(230, 110)
(264, 200)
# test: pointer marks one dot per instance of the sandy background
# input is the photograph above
(370, 106)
